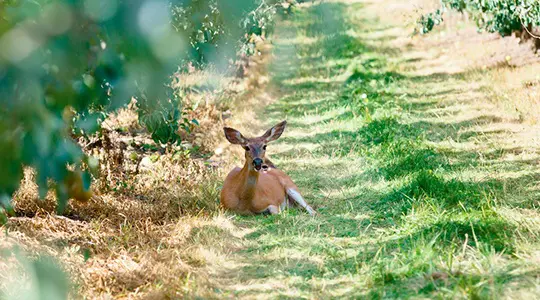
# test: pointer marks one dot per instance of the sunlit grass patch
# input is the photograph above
(423, 188)
(408, 206)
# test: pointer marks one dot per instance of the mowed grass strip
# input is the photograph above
(402, 214)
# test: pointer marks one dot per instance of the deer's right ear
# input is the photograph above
(234, 136)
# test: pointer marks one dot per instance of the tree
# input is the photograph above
(64, 64)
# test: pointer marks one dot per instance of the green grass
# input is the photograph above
(402, 213)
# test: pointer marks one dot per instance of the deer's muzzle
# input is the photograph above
(257, 164)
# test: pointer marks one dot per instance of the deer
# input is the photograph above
(259, 187)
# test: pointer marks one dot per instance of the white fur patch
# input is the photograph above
(272, 209)
(295, 195)
(283, 204)
(239, 136)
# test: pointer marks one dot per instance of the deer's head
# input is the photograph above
(255, 147)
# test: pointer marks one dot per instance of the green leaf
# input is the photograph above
(5, 203)
(62, 198)
(87, 180)
(86, 254)
(88, 123)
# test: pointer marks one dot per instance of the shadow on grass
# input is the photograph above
(399, 155)
(390, 274)
(404, 156)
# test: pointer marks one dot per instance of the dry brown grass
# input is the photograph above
(507, 66)
(154, 229)
(146, 230)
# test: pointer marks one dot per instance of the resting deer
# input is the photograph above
(259, 187)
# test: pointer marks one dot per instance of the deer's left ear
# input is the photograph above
(275, 132)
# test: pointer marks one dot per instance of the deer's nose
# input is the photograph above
(257, 163)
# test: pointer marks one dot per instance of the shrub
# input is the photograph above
(502, 16)
(65, 64)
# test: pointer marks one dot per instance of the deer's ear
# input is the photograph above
(234, 136)
(275, 132)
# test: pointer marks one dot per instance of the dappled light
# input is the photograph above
(419, 152)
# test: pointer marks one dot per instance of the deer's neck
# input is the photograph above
(250, 182)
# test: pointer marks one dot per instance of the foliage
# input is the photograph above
(258, 22)
(40, 278)
(203, 22)
(417, 199)
(428, 21)
(502, 16)
(64, 64)
(212, 24)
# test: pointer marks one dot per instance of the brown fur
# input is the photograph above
(270, 189)
(248, 191)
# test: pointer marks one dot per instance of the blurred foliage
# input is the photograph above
(502, 16)
(33, 279)
(65, 64)
(203, 23)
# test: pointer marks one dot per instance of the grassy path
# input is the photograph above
(424, 188)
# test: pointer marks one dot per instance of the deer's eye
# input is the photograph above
(246, 147)
(264, 147)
